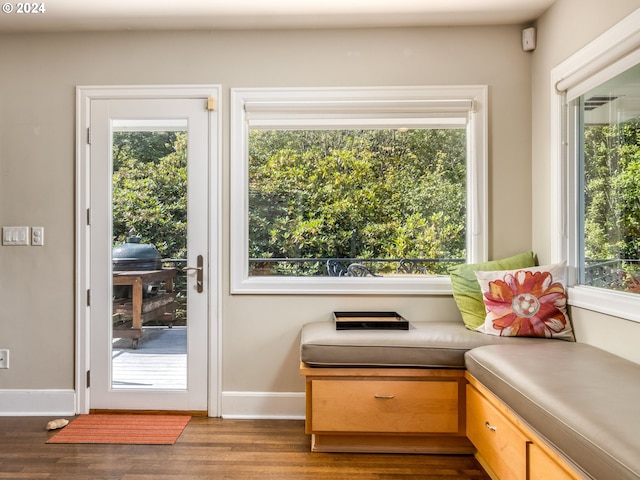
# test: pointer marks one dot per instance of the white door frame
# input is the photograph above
(84, 95)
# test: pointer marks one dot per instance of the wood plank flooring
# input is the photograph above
(213, 448)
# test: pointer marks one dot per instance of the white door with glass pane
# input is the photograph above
(149, 253)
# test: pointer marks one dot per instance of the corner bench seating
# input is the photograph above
(568, 410)
(579, 400)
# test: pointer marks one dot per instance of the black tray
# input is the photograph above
(370, 321)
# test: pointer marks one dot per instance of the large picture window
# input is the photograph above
(595, 141)
(355, 190)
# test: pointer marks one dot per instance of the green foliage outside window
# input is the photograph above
(365, 194)
(356, 194)
(612, 201)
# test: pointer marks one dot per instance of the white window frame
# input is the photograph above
(295, 107)
(613, 52)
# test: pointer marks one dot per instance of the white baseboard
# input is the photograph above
(254, 405)
(263, 405)
(16, 403)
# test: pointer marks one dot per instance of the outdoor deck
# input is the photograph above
(159, 362)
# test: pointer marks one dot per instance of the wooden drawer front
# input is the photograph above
(499, 442)
(543, 467)
(384, 406)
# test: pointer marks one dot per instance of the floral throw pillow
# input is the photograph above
(529, 302)
(466, 290)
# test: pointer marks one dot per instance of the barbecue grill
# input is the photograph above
(133, 255)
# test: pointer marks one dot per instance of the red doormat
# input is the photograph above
(124, 429)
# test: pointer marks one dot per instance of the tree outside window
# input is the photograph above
(392, 200)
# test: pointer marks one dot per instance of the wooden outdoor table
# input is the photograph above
(140, 309)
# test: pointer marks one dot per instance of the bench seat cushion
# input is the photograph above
(425, 344)
(584, 402)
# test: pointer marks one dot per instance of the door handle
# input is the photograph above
(199, 273)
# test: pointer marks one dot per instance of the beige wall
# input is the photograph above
(38, 76)
(563, 30)
(260, 333)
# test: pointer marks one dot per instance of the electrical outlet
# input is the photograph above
(4, 358)
(37, 236)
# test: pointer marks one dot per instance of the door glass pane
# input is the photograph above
(149, 199)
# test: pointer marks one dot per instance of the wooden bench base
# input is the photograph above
(392, 410)
(507, 448)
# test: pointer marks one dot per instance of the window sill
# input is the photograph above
(439, 285)
(608, 302)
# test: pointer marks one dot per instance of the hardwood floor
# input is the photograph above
(213, 448)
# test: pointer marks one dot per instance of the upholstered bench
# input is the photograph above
(390, 390)
(556, 410)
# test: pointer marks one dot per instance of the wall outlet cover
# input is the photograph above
(4, 358)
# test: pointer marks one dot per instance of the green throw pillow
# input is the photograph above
(466, 289)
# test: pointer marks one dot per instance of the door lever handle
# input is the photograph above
(199, 273)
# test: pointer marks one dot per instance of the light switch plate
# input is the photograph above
(15, 235)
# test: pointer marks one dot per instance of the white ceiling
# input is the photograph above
(79, 15)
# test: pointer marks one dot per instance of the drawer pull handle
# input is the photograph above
(490, 427)
(384, 397)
